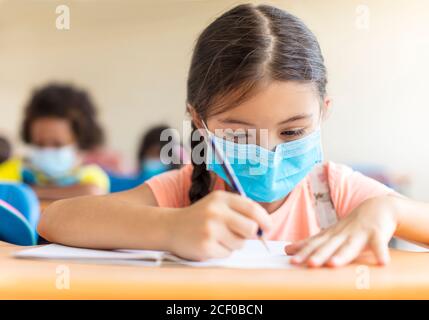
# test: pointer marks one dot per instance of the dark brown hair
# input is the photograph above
(5, 149)
(239, 52)
(152, 138)
(66, 102)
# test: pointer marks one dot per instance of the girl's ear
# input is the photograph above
(326, 108)
(196, 120)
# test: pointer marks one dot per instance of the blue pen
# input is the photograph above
(235, 183)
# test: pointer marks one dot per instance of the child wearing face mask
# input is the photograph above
(59, 126)
(258, 81)
(150, 159)
(149, 155)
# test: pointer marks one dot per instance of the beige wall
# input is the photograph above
(133, 56)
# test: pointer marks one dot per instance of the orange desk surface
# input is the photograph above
(407, 276)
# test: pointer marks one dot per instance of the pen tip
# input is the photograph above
(265, 245)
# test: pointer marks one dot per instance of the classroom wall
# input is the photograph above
(133, 56)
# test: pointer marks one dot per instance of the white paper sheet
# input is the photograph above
(56, 251)
(252, 256)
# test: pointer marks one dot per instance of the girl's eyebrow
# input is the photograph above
(236, 121)
(295, 118)
(291, 119)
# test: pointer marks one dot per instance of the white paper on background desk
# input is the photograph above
(252, 256)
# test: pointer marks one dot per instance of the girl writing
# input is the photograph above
(257, 74)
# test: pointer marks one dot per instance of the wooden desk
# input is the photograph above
(406, 277)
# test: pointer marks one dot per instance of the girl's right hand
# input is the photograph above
(215, 226)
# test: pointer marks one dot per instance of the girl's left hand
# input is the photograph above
(372, 225)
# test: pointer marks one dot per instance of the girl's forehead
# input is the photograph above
(276, 102)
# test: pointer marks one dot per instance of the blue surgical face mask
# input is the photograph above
(268, 176)
(54, 162)
(153, 167)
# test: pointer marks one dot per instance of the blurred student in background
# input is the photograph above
(5, 149)
(150, 160)
(60, 125)
(149, 157)
(10, 167)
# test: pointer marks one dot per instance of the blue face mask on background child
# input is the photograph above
(54, 162)
(267, 176)
(153, 167)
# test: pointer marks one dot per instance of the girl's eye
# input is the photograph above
(239, 138)
(293, 133)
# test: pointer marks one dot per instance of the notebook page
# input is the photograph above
(252, 256)
(56, 251)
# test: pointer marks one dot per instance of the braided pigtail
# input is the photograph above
(201, 180)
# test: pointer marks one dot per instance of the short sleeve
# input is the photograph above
(93, 174)
(171, 188)
(350, 188)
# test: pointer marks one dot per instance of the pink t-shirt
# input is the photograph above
(296, 218)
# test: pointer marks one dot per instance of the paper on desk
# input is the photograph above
(56, 251)
(252, 256)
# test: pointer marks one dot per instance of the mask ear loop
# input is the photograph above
(207, 131)
(207, 134)
(208, 138)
